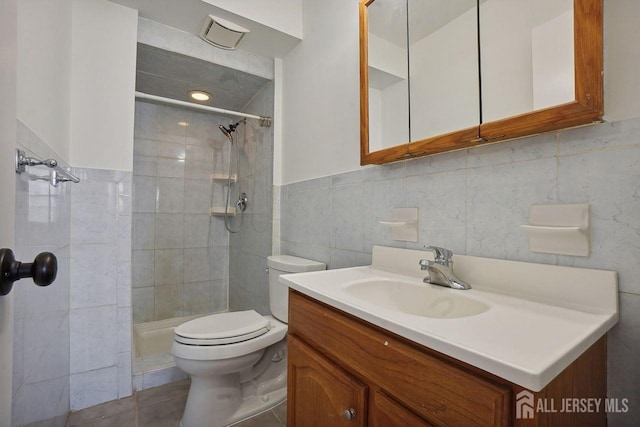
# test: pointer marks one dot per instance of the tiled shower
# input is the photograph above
(180, 252)
(185, 262)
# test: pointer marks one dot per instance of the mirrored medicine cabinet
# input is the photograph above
(441, 75)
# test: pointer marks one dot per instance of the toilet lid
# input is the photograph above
(222, 328)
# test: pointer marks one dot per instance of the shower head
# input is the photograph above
(228, 131)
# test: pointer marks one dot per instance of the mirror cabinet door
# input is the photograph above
(441, 75)
(541, 66)
(526, 56)
(388, 76)
(443, 67)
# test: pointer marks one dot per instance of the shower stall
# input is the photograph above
(202, 201)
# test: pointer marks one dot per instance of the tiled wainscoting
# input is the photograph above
(41, 324)
(473, 202)
(72, 340)
(100, 298)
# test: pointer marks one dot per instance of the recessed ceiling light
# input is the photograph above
(184, 124)
(200, 95)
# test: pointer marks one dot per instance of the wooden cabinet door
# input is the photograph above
(430, 387)
(386, 412)
(320, 392)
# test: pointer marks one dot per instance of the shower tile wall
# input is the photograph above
(249, 248)
(180, 252)
(473, 201)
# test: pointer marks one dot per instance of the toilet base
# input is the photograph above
(255, 405)
(223, 400)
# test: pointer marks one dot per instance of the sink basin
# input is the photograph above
(565, 313)
(415, 298)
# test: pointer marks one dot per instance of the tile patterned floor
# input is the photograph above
(158, 407)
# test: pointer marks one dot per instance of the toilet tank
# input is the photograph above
(278, 292)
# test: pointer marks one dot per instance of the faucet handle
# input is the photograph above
(442, 256)
(424, 264)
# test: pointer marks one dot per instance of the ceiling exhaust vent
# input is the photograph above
(222, 33)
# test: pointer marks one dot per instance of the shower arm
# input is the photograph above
(264, 121)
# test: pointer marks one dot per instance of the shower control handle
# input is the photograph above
(43, 269)
(241, 204)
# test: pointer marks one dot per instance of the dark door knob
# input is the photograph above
(43, 269)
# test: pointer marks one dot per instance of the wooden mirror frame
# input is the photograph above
(586, 108)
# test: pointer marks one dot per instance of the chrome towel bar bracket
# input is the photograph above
(58, 174)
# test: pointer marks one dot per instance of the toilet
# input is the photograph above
(237, 361)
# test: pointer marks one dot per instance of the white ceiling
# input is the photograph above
(189, 16)
(171, 75)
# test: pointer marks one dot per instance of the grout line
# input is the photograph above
(137, 409)
(284, 423)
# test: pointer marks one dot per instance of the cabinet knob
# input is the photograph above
(349, 414)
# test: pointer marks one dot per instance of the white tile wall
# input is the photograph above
(275, 234)
(42, 334)
(94, 337)
(498, 200)
(41, 325)
(178, 246)
(608, 180)
(473, 201)
(250, 247)
(100, 316)
(46, 398)
(94, 387)
(125, 379)
(93, 276)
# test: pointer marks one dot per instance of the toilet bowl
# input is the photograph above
(237, 360)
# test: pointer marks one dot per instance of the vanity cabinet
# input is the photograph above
(386, 412)
(340, 363)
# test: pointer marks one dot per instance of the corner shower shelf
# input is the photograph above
(219, 210)
(223, 178)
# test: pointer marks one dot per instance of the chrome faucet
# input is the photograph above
(440, 270)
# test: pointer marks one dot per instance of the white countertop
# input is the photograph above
(540, 317)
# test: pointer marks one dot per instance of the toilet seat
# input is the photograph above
(276, 332)
(222, 328)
